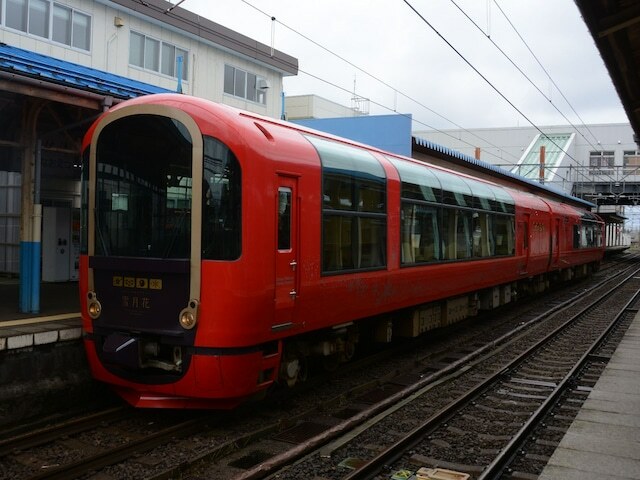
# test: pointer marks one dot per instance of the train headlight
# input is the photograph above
(93, 305)
(187, 319)
(189, 315)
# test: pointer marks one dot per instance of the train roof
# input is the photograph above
(451, 158)
(456, 158)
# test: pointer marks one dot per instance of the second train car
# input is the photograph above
(222, 250)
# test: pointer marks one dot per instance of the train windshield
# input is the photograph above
(143, 188)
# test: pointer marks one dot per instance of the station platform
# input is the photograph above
(57, 321)
(604, 439)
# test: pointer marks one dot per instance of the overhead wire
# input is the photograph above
(483, 77)
(597, 149)
(273, 18)
(408, 97)
(515, 65)
(544, 69)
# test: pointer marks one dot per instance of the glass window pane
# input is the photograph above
(240, 86)
(251, 87)
(419, 234)
(39, 18)
(483, 196)
(284, 218)
(144, 212)
(504, 236)
(17, 14)
(261, 94)
(418, 183)
(337, 157)
(136, 49)
(371, 196)
(228, 79)
(168, 59)
(61, 24)
(337, 253)
(482, 233)
(151, 54)
(372, 243)
(504, 202)
(221, 196)
(455, 190)
(81, 31)
(463, 234)
(338, 192)
(456, 234)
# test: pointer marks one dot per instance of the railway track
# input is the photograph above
(501, 402)
(266, 434)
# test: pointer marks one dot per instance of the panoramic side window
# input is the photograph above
(444, 217)
(354, 208)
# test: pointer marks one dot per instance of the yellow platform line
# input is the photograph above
(29, 321)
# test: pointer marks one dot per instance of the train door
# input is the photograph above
(287, 272)
(523, 240)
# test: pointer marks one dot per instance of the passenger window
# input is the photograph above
(354, 208)
(483, 240)
(420, 234)
(504, 235)
(456, 230)
(284, 218)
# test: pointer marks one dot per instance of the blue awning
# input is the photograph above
(34, 65)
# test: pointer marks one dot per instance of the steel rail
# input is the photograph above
(395, 451)
(70, 427)
(495, 468)
(120, 453)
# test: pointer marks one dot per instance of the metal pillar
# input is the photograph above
(31, 221)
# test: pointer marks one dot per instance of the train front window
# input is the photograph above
(143, 188)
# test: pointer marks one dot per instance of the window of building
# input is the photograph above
(49, 20)
(601, 163)
(157, 56)
(631, 162)
(244, 85)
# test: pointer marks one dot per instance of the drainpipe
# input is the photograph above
(283, 115)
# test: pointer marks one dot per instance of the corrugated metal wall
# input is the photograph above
(10, 185)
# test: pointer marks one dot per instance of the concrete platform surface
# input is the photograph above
(57, 321)
(604, 439)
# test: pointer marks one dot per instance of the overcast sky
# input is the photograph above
(388, 40)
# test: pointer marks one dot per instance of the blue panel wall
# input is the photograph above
(388, 132)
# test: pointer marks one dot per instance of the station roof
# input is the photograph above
(615, 28)
(23, 63)
(454, 158)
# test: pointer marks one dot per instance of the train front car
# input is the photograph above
(149, 174)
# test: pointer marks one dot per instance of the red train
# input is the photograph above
(223, 250)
